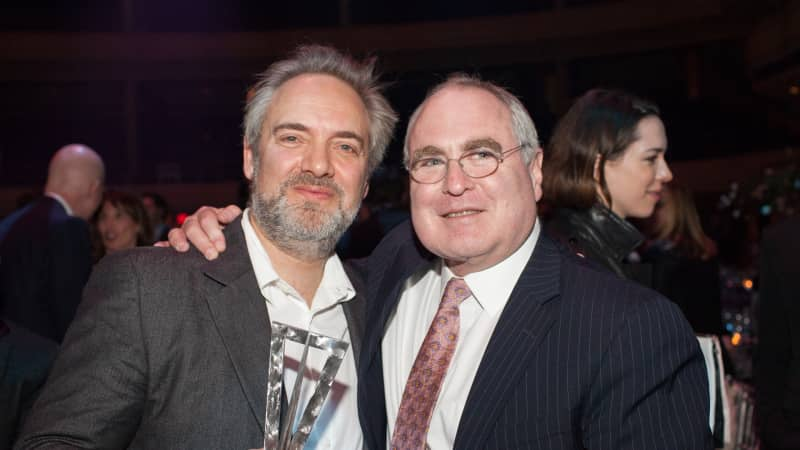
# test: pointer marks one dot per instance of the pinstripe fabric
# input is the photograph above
(579, 359)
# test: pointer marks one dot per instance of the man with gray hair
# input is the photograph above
(488, 335)
(45, 249)
(483, 333)
(171, 351)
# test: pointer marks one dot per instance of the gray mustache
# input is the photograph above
(310, 180)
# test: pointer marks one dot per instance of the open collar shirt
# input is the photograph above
(337, 426)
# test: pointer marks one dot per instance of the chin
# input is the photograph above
(643, 214)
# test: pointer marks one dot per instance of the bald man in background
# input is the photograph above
(45, 249)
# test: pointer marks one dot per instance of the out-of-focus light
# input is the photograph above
(736, 339)
(180, 218)
(766, 210)
(747, 283)
(794, 90)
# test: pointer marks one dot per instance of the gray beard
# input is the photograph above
(304, 230)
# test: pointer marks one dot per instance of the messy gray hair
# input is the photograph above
(319, 59)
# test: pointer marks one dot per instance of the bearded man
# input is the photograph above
(172, 351)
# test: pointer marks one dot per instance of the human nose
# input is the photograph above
(317, 161)
(456, 180)
(664, 174)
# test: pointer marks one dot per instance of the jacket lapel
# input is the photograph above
(398, 257)
(354, 311)
(395, 259)
(240, 315)
(525, 320)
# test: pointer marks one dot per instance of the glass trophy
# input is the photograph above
(293, 436)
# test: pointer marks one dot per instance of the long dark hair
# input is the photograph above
(600, 125)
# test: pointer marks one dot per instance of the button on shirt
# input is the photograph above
(337, 426)
(479, 313)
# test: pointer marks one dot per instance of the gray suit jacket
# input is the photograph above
(168, 351)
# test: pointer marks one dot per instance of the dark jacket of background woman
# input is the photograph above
(691, 283)
(601, 236)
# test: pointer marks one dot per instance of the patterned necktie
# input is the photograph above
(425, 381)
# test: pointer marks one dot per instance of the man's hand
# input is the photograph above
(203, 229)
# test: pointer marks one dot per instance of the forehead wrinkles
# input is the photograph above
(319, 101)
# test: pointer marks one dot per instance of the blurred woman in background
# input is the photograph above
(121, 223)
(684, 260)
(605, 164)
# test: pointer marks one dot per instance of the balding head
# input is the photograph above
(76, 173)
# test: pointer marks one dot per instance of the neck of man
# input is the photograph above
(68, 198)
(302, 272)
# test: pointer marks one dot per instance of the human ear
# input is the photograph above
(535, 169)
(248, 167)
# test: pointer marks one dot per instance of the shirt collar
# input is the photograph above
(334, 288)
(60, 200)
(492, 287)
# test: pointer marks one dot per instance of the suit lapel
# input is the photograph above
(525, 320)
(354, 310)
(240, 314)
(397, 258)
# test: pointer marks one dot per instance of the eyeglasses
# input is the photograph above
(478, 163)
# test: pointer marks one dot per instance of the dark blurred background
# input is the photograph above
(157, 87)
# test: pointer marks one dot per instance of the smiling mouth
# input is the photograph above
(466, 212)
(314, 191)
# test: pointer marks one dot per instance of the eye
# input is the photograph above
(289, 139)
(480, 154)
(348, 148)
(427, 162)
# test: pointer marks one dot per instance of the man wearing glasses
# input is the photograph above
(487, 335)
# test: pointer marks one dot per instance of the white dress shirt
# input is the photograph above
(337, 426)
(479, 313)
(60, 200)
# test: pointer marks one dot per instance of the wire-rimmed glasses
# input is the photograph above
(477, 163)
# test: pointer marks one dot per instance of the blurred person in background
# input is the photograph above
(684, 260)
(120, 224)
(606, 164)
(158, 215)
(45, 247)
(25, 360)
(776, 365)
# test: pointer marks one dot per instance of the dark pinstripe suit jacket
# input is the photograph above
(579, 359)
(167, 351)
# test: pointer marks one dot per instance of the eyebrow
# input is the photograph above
(483, 143)
(300, 127)
(430, 150)
(289, 126)
(350, 135)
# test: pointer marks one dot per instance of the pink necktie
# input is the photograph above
(425, 381)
